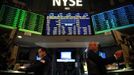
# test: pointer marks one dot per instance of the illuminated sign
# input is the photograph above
(65, 3)
(68, 24)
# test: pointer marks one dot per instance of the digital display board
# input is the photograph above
(8, 17)
(68, 24)
(26, 21)
(113, 19)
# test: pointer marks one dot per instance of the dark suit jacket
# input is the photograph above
(96, 64)
(40, 68)
(3, 63)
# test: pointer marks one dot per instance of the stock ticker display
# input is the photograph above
(68, 24)
(9, 16)
(123, 16)
(26, 21)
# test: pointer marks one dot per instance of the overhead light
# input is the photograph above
(67, 8)
(19, 37)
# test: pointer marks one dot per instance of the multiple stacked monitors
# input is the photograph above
(26, 21)
(68, 24)
(123, 16)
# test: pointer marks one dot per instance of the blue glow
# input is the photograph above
(105, 21)
(38, 58)
(102, 54)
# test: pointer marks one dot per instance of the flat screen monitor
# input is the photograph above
(118, 18)
(64, 23)
(65, 55)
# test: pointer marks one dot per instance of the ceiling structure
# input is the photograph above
(64, 41)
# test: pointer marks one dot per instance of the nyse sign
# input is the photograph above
(67, 3)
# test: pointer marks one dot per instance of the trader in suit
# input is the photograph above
(95, 63)
(42, 66)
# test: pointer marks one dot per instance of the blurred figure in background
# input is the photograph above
(95, 63)
(42, 66)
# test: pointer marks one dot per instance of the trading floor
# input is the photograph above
(67, 37)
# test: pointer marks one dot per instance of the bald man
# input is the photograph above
(96, 64)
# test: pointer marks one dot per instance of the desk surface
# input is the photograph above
(14, 72)
(122, 70)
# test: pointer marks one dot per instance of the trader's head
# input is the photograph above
(93, 46)
(42, 52)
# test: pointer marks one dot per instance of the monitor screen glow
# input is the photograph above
(38, 58)
(65, 55)
(102, 54)
(65, 23)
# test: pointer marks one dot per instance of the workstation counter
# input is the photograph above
(12, 72)
(121, 72)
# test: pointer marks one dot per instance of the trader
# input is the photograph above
(95, 63)
(41, 66)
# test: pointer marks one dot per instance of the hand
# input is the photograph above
(42, 61)
(118, 54)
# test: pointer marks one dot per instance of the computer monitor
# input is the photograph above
(68, 23)
(65, 55)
